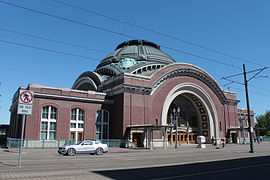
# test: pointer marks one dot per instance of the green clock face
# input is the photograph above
(127, 63)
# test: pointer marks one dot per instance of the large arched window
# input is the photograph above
(102, 125)
(48, 123)
(76, 124)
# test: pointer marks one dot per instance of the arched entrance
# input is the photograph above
(197, 114)
(188, 116)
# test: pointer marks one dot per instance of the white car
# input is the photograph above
(87, 146)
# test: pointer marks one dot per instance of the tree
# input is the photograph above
(264, 123)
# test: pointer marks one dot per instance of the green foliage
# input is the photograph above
(264, 123)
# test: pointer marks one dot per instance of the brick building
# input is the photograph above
(137, 93)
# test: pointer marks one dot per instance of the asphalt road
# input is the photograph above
(230, 163)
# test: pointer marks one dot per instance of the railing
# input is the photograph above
(41, 143)
(266, 138)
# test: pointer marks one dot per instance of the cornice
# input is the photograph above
(188, 72)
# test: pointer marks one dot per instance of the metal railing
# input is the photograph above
(41, 143)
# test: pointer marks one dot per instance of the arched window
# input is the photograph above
(102, 124)
(76, 124)
(48, 123)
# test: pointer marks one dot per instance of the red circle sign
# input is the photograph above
(26, 97)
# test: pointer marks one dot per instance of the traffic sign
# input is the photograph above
(26, 97)
(25, 102)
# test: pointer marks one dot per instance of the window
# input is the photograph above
(3, 132)
(76, 124)
(102, 124)
(48, 123)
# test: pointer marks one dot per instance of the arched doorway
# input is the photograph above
(198, 115)
(188, 117)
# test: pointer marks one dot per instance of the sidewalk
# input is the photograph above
(127, 150)
(111, 149)
(48, 164)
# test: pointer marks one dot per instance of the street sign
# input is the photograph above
(25, 102)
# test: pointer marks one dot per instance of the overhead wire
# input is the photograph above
(110, 31)
(114, 32)
(250, 91)
(51, 40)
(67, 19)
(50, 50)
(156, 32)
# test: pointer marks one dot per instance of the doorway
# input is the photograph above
(137, 139)
(234, 137)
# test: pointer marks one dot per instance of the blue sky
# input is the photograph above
(238, 28)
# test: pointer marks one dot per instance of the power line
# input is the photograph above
(253, 92)
(45, 49)
(110, 31)
(51, 40)
(201, 57)
(156, 32)
(69, 20)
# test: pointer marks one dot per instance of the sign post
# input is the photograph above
(24, 108)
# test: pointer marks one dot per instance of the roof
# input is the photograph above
(136, 57)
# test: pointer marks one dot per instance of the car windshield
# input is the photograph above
(79, 142)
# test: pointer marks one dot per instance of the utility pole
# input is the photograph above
(250, 128)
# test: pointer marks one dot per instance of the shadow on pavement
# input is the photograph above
(6, 164)
(244, 168)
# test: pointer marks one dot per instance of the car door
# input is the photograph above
(88, 146)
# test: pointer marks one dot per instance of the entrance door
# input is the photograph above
(234, 138)
(137, 139)
(80, 137)
(72, 137)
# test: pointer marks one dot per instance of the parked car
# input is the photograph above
(87, 146)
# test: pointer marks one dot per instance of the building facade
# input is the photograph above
(137, 93)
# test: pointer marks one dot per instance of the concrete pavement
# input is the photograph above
(47, 164)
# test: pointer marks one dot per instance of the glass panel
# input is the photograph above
(43, 135)
(45, 112)
(72, 135)
(2, 132)
(98, 128)
(106, 116)
(98, 132)
(44, 126)
(80, 137)
(105, 132)
(80, 125)
(52, 135)
(73, 125)
(53, 113)
(80, 115)
(73, 114)
(52, 126)
(97, 136)
(99, 116)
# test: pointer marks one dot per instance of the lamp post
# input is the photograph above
(176, 114)
(187, 132)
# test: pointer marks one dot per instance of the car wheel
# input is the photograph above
(71, 152)
(99, 151)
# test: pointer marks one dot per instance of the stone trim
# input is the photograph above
(73, 98)
(206, 79)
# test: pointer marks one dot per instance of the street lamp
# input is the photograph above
(187, 132)
(176, 114)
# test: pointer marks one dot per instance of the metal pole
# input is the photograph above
(164, 137)
(176, 131)
(250, 129)
(21, 143)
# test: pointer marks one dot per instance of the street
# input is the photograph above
(186, 162)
